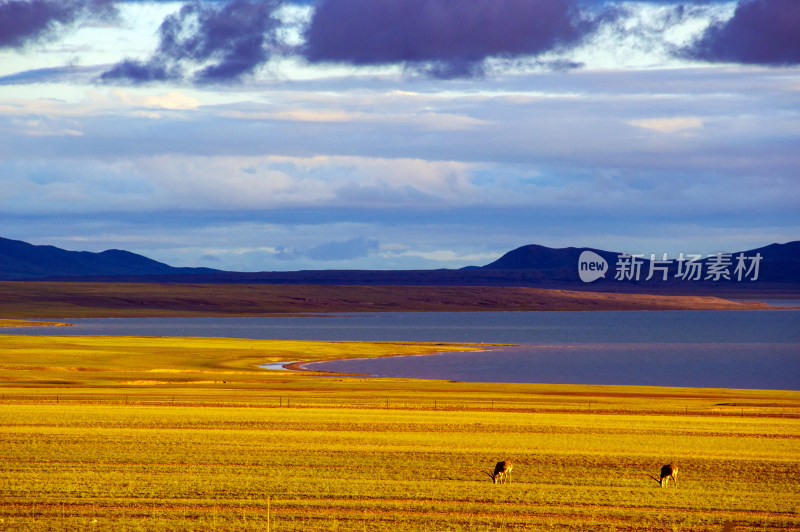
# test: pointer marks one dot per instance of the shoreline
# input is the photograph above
(299, 365)
(29, 323)
(634, 374)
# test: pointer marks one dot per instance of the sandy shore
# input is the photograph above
(28, 323)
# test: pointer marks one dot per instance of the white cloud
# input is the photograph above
(447, 256)
(89, 102)
(40, 129)
(669, 125)
(647, 34)
(425, 120)
(173, 100)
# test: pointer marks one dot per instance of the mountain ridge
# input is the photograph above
(776, 262)
(529, 265)
(20, 260)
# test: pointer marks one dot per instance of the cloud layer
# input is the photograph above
(212, 42)
(25, 21)
(218, 43)
(264, 134)
(763, 32)
(449, 38)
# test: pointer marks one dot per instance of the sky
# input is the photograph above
(269, 135)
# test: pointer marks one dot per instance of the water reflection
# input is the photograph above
(734, 349)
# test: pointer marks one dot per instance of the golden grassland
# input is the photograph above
(110, 433)
(91, 361)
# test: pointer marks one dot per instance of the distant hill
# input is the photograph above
(20, 260)
(551, 264)
(535, 257)
(776, 263)
(778, 271)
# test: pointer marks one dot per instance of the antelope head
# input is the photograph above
(502, 471)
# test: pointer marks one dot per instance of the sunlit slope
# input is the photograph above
(106, 300)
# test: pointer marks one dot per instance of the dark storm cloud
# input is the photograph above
(26, 21)
(765, 32)
(448, 38)
(229, 40)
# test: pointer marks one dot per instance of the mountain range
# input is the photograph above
(774, 268)
(21, 260)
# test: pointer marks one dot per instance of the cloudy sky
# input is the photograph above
(259, 135)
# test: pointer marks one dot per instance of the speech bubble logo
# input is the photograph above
(591, 266)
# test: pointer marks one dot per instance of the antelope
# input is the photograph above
(669, 471)
(502, 472)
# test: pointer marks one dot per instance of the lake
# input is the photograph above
(728, 349)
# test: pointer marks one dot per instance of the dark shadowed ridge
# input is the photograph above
(531, 265)
(20, 260)
(779, 263)
(538, 257)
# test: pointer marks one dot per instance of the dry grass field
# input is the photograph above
(189, 434)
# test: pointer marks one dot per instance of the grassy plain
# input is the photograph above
(189, 434)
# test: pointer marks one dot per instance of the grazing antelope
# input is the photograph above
(669, 471)
(502, 472)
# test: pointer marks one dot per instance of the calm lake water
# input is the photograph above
(729, 349)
